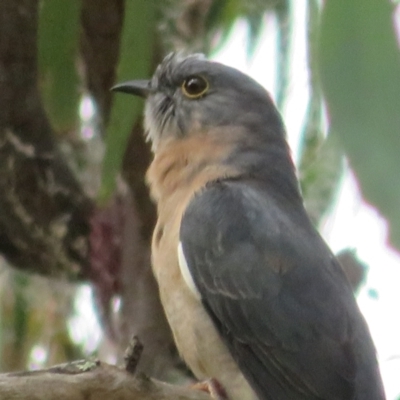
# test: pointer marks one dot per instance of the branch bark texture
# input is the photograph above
(87, 380)
(43, 210)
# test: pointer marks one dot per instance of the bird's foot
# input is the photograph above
(213, 387)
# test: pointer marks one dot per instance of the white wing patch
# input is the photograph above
(187, 276)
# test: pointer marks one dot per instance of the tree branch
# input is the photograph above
(83, 380)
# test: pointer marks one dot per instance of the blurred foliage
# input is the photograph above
(320, 165)
(223, 15)
(359, 64)
(57, 58)
(137, 52)
(34, 319)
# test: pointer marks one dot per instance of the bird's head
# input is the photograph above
(189, 94)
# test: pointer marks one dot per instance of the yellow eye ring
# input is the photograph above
(195, 86)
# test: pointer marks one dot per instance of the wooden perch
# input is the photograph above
(87, 380)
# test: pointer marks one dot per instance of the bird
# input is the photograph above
(254, 296)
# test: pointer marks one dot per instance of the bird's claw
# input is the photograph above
(213, 387)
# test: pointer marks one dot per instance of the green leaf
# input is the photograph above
(320, 171)
(255, 26)
(21, 311)
(359, 64)
(321, 157)
(216, 14)
(137, 48)
(57, 58)
(285, 25)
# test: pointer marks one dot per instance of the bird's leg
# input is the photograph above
(213, 387)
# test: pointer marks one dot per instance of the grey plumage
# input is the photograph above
(278, 296)
(275, 293)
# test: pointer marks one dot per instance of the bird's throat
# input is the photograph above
(188, 164)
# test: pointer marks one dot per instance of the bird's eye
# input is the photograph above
(194, 87)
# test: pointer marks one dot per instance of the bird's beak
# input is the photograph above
(140, 88)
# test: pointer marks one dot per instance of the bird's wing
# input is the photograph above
(274, 291)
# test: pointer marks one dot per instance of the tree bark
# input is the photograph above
(43, 211)
(85, 380)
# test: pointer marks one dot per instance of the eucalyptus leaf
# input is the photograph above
(285, 23)
(321, 158)
(359, 63)
(320, 172)
(137, 48)
(255, 26)
(57, 59)
(21, 310)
